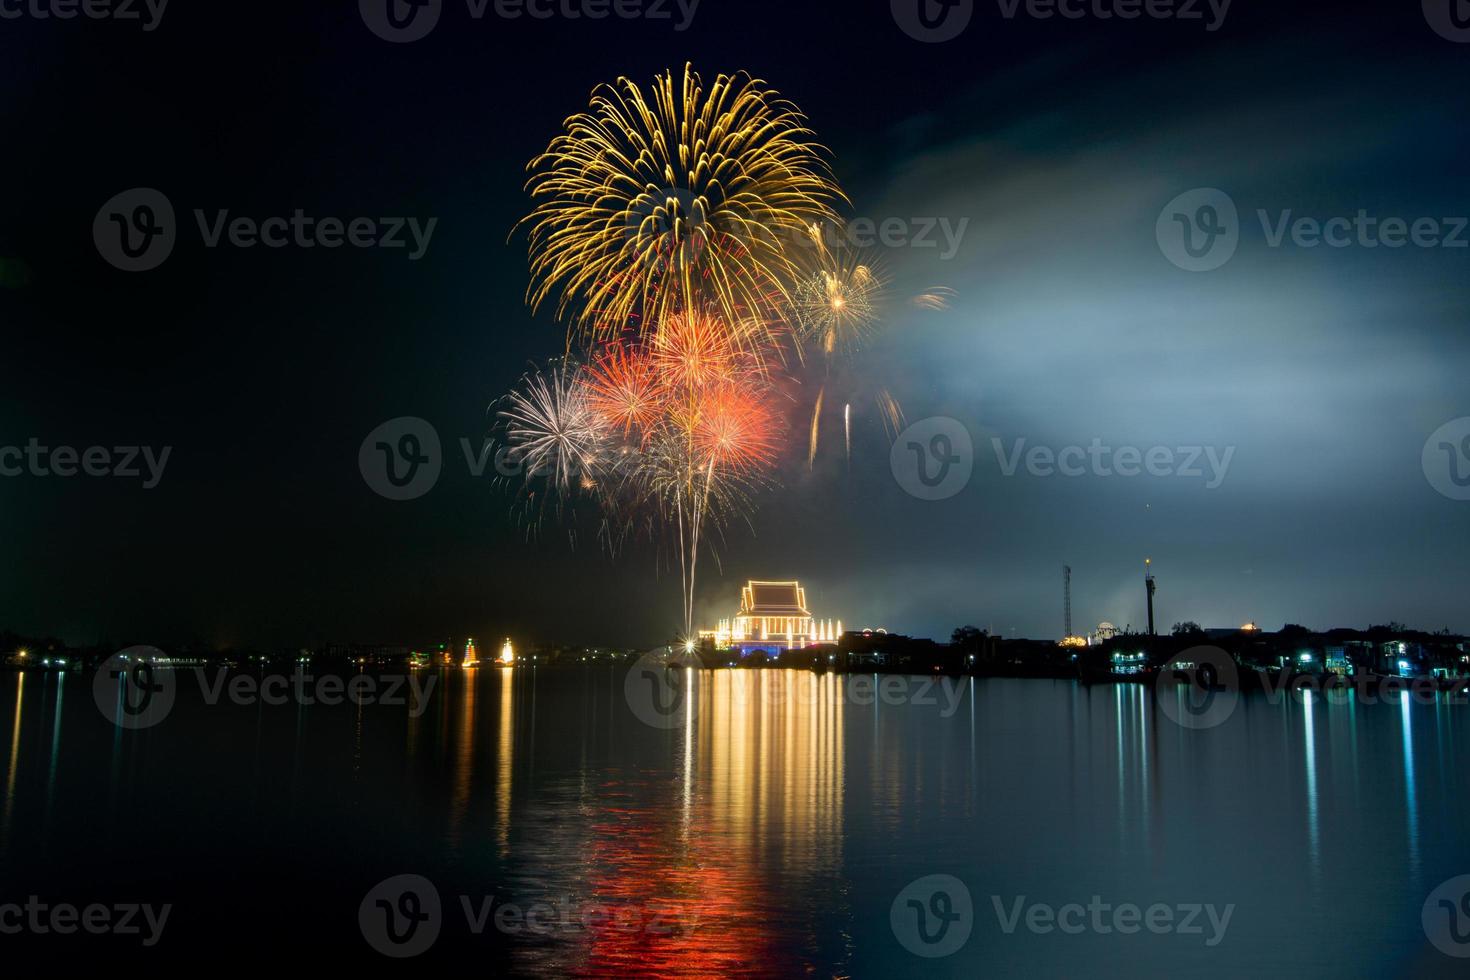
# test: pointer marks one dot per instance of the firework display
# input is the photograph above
(675, 231)
(678, 198)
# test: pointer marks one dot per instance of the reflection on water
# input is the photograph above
(505, 752)
(769, 833)
(14, 764)
(687, 869)
(1310, 754)
(1411, 798)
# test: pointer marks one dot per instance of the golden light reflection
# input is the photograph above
(672, 861)
(504, 760)
(464, 760)
(20, 686)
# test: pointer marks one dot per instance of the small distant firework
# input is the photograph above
(935, 298)
(837, 304)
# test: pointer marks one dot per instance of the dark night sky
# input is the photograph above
(1060, 142)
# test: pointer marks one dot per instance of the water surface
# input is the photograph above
(768, 835)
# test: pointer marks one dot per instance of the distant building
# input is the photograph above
(1128, 663)
(882, 650)
(773, 617)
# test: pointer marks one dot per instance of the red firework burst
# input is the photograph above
(624, 388)
(736, 429)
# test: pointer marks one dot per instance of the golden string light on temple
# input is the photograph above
(773, 617)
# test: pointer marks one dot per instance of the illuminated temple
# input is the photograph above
(773, 617)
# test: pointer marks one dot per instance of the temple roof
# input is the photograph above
(773, 599)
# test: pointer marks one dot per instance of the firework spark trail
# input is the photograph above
(654, 202)
(811, 453)
(836, 306)
(847, 430)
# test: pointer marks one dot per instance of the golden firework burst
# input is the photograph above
(675, 198)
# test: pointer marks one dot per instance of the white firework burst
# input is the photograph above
(552, 430)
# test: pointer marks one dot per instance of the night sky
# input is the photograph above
(1058, 142)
